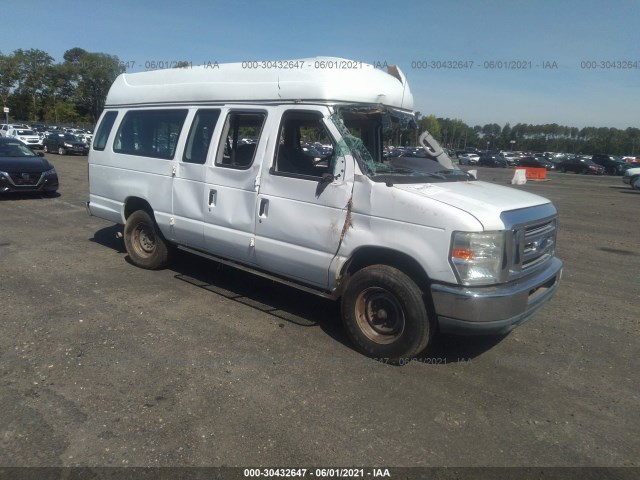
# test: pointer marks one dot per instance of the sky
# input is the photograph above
(578, 61)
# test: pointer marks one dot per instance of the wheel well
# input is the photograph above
(367, 256)
(133, 204)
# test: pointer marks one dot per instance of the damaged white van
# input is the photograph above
(221, 162)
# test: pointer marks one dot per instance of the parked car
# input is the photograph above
(63, 143)
(27, 137)
(491, 160)
(539, 162)
(612, 165)
(22, 170)
(632, 177)
(511, 158)
(468, 159)
(581, 165)
(8, 126)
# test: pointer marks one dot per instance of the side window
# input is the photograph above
(239, 139)
(104, 130)
(305, 147)
(150, 133)
(199, 138)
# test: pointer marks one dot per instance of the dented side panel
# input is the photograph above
(383, 216)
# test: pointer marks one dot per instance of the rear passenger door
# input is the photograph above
(231, 185)
(189, 182)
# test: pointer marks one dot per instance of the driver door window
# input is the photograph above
(305, 148)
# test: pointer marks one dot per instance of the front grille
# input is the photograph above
(533, 245)
(539, 244)
(25, 179)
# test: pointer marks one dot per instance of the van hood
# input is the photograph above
(483, 200)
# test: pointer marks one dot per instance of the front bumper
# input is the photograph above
(494, 310)
(33, 183)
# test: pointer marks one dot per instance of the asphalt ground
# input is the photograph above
(106, 364)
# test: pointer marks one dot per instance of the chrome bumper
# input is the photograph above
(494, 310)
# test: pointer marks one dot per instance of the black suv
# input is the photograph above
(536, 162)
(612, 165)
(492, 160)
(64, 143)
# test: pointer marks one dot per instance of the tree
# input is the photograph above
(431, 124)
(93, 74)
(33, 67)
(8, 77)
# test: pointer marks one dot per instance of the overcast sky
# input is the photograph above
(569, 38)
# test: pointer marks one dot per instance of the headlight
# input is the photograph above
(51, 172)
(68, 145)
(477, 257)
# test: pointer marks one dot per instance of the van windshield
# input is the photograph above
(363, 130)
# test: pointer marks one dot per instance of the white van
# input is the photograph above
(213, 161)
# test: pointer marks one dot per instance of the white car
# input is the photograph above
(511, 158)
(468, 159)
(84, 135)
(28, 137)
(8, 126)
(632, 177)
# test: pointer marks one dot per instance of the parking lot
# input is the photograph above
(105, 364)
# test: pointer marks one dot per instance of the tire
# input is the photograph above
(45, 149)
(61, 151)
(635, 183)
(144, 242)
(563, 170)
(384, 314)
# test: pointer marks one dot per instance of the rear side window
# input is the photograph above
(104, 130)
(239, 139)
(150, 133)
(200, 134)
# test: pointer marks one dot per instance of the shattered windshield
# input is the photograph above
(365, 130)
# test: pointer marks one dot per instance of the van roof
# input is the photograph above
(325, 79)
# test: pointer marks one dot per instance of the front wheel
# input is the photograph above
(61, 151)
(635, 183)
(384, 314)
(45, 149)
(144, 242)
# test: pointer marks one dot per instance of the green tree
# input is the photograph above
(33, 68)
(93, 74)
(8, 77)
(431, 124)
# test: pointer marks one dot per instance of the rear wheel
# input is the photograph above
(635, 183)
(563, 169)
(144, 242)
(384, 314)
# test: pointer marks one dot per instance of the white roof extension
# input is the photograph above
(317, 79)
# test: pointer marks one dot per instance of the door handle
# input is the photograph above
(213, 194)
(264, 208)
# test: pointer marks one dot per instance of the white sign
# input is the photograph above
(6, 109)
